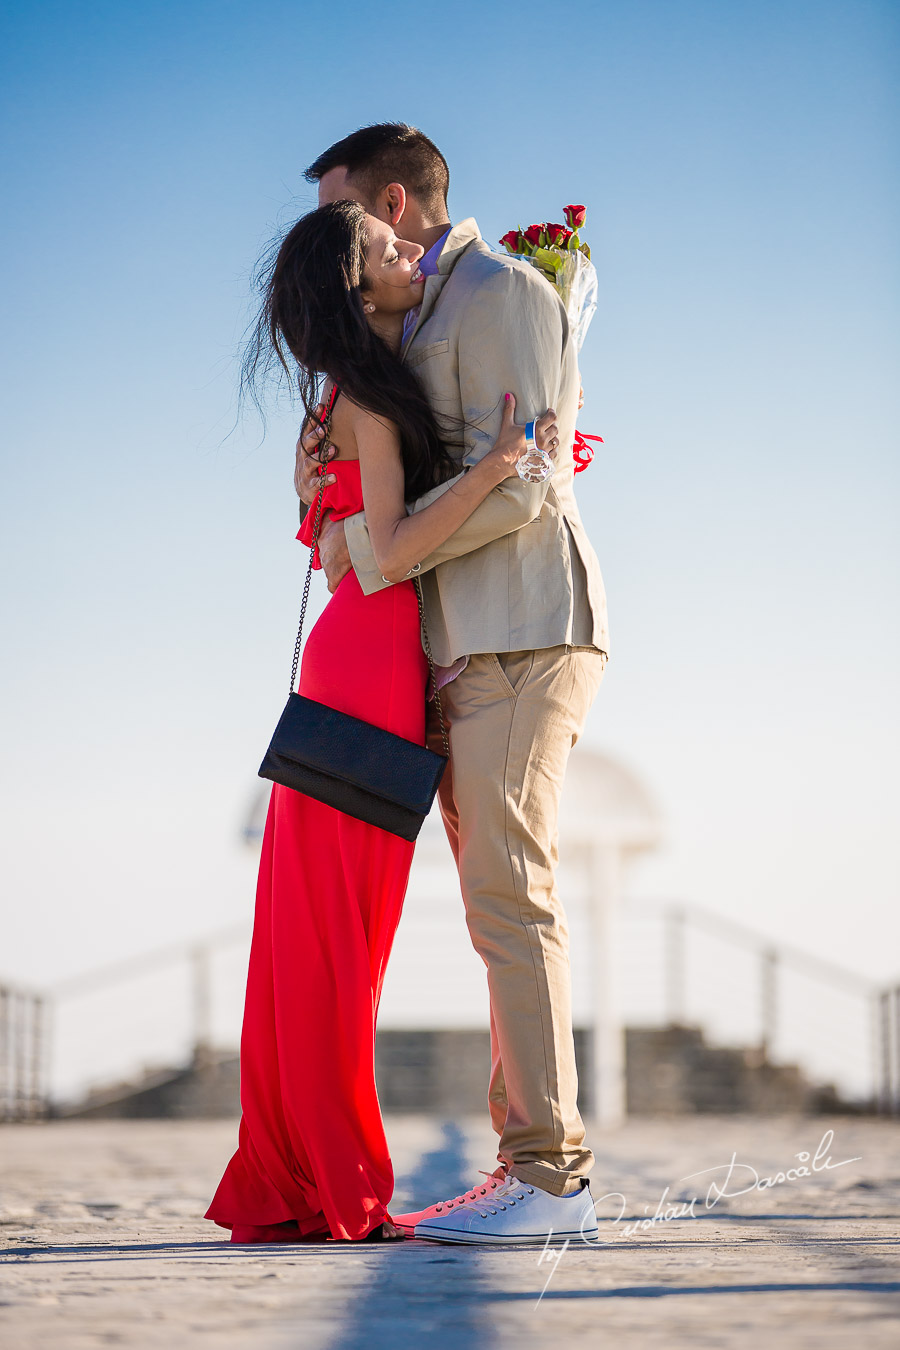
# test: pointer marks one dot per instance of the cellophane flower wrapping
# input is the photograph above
(558, 254)
(562, 259)
(576, 281)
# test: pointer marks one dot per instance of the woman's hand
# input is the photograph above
(306, 463)
(510, 446)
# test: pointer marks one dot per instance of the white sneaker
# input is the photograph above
(516, 1212)
(407, 1222)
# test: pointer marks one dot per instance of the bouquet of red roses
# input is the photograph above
(558, 253)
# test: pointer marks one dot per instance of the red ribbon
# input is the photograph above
(582, 453)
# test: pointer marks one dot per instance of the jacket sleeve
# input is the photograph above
(511, 339)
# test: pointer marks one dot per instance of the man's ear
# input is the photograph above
(394, 198)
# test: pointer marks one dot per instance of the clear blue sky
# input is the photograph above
(739, 165)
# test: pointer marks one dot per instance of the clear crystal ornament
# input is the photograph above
(535, 466)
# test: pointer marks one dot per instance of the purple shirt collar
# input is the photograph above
(428, 265)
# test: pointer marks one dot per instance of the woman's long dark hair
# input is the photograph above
(312, 309)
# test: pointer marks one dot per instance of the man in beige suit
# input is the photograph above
(516, 615)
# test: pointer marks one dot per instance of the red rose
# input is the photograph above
(510, 241)
(575, 216)
(533, 234)
(558, 234)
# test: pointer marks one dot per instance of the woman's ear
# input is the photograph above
(395, 202)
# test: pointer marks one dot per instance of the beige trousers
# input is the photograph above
(513, 718)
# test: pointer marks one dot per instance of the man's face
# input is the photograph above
(336, 185)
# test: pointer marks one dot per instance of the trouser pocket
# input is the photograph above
(512, 669)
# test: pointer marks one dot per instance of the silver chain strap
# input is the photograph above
(312, 553)
(323, 470)
(427, 645)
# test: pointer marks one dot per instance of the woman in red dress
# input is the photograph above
(312, 1160)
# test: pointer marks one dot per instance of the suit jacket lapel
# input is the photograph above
(456, 243)
(433, 287)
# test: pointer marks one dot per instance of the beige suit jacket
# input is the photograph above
(507, 580)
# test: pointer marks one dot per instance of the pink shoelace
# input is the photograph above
(493, 1181)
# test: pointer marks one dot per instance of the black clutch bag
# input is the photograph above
(347, 763)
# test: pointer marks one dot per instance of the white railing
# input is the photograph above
(683, 964)
(23, 1053)
(677, 964)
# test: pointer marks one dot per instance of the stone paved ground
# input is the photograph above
(103, 1244)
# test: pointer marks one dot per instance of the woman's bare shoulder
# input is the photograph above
(369, 429)
(343, 428)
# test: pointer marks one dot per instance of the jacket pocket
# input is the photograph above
(417, 355)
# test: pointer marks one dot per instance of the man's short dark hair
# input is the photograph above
(390, 152)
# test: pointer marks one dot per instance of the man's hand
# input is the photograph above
(306, 465)
(333, 552)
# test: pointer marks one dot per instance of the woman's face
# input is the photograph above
(392, 281)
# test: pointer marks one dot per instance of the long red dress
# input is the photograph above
(311, 1143)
